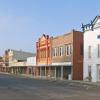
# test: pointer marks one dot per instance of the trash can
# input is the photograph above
(69, 77)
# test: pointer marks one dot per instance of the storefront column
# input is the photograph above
(12, 71)
(17, 70)
(55, 72)
(27, 70)
(34, 71)
(37, 73)
(61, 72)
(49, 71)
(45, 72)
(40, 72)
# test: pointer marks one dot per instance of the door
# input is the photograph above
(58, 72)
(98, 73)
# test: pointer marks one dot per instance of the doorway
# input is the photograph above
(98, 73)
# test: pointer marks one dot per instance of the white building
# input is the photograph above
(31, 65)
(92, 50)
(31, 61)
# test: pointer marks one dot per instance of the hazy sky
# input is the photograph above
(22, 22)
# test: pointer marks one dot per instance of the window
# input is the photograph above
(57, 52)
(89, 51)
(60, 51)
(48, 52)
(41, 53)
(89, 71)
(98, 37)
(54, 52)
(98, 50)
(71, 49)
(44, 53)
(68, 49)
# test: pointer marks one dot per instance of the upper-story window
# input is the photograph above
(98, 37)
(89, 51)
(60, 51)
(44, 53)
(98, 50)
(41, 53)
(57, 53)
(49, 52)
(54, 52)
(68, 49)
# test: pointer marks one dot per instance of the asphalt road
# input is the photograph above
(16, 88)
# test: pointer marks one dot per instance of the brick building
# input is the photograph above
(60, 57)
(67, 55)
(43, 55)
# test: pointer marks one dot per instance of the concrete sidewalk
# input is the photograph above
(80, 83)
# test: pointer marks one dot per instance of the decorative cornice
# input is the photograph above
(90, 26)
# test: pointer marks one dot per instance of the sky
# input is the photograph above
(22, 22)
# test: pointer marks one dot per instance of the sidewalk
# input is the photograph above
(85, 83)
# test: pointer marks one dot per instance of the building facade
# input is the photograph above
(2, 65)
(92, 50)
(16, 61)
(31, 66)
(65, 56)
(43, 55)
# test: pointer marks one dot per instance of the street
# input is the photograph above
(19, 88)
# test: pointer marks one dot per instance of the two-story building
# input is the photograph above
(67, 55)
(43, 55)
(60, 57)
(92, 50)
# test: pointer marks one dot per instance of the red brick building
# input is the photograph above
(43, 55)
(60, 57)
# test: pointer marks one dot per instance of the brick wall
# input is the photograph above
(77, 55)
(62, 41)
